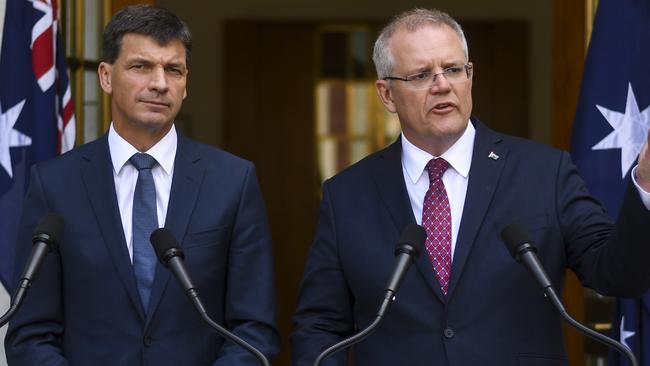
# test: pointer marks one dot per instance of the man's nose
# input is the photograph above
(439, 84)
(158, 81)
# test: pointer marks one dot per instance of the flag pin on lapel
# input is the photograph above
(493, 156)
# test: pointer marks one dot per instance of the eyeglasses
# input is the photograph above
(424, 80)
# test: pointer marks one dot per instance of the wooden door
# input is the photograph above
(269, 119)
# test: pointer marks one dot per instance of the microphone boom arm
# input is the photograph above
(550, 293)
(221, 330)
(45, 238)
(523, 250)
(407, 251)
(167, 251)
(385, 305)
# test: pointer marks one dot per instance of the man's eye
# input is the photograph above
(419, 77)
(453, 70)
(175, 71)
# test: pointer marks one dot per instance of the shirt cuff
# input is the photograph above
(645, 196)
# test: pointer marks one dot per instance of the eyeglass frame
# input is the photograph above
(468, 71)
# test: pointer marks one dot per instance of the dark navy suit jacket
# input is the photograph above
(494, 313)
(84, 309)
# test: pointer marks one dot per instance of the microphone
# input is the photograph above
(407, 251)
(45, 239)
(171, 256)
(524, 251)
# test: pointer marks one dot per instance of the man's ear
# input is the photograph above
(104, 72)
(386, 94)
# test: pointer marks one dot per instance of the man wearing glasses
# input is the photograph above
(466, 302)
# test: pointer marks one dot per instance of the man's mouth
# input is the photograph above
(443, 107)
(156, 103)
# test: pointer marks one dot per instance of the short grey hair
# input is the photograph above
(411, 21)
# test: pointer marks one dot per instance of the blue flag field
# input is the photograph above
(36, 113)
(610, 127)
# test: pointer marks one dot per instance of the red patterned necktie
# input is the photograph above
(436, 219)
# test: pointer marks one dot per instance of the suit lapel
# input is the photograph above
(488, 161)
(97, 173)
(389, 178)
(188, 175)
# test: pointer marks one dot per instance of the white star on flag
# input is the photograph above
(10, 137)
(625, 334)
(630, 131)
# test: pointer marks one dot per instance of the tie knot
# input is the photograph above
(436, 168)
(142, 161)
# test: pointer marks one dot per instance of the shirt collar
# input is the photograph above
(459, 155)
(163, 151)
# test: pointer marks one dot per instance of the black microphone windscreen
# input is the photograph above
(163, 240)
(413, 235)
(51, 225)
(514, 236)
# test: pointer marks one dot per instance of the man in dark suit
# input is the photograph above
(102, 298)
(466, 302)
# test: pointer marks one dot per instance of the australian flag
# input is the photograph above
(36, 111)
(611, 126)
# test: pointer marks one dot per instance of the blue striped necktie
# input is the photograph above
(145, 221)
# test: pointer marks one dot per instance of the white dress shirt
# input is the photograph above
(645, 196)
(459, 157)
(126, 175)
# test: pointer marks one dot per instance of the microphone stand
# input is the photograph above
(17, 301)
(523, 250)
(5, 318)
(10, 313)
(167, 251)
(192, 293)
(408, 249)
(389, 297)
(550, 293)
(39, 252)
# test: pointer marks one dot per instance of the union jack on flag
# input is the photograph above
(36, 110)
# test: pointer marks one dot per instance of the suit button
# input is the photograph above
(147, 341)
(448, 333)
